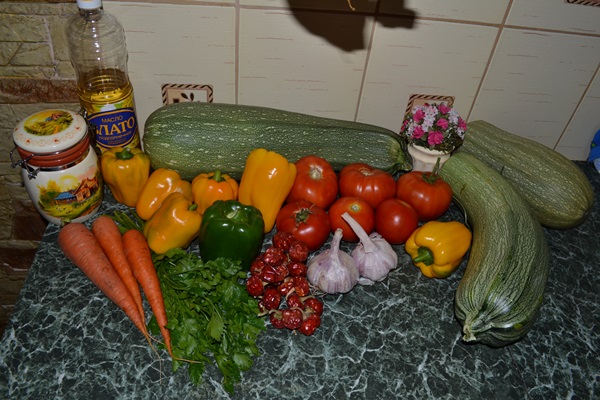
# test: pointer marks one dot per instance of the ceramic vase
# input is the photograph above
(424, 159)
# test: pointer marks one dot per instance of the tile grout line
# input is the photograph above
(237, 51)
(367, 58)
(501, 27)
(581, 99)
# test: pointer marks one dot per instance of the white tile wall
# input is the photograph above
(336, 5)
(555, 15)
(529, 66)
(490, 11)
(576, 140)
(435, 58)
(170, 43)
(535, 81)
(283, 65)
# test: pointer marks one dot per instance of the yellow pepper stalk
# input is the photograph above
(266, 181)
(125, 171)
(210, 187)
(174, 224)
(161, 183)
(438, 248)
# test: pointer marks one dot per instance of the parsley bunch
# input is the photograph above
(211, 316)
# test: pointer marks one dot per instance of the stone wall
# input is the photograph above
(35, 74)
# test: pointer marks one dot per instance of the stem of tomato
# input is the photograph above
(302, 216)
(315, 173)
(432, 177)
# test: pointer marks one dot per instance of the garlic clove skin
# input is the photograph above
(333, 270)
(373, 255)
(375, 265)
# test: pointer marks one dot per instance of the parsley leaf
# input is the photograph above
(212, 318)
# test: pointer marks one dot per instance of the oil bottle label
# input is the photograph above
(115, 128)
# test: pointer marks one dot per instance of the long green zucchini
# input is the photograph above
(198, 137)
(558, 191)
(501, 291)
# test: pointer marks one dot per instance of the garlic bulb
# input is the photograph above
(373, 255)
(333, 270)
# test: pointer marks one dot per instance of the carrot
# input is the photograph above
(139, 257)
(80, 246)
(108, 235)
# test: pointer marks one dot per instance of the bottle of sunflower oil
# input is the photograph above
(98, 52)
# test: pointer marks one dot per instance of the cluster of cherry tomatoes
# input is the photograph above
(278, 280)
(377, 201)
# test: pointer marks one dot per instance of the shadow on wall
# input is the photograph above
(348, 33)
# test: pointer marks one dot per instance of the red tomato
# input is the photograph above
(370, 184)
(395, 220)
(316, 182)
(358, 209)
(427, 193)
(306, 221)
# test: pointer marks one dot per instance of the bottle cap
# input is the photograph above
(49, 131)
(89, 4)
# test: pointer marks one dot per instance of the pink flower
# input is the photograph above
(435, 137)
(418, 116)
(444, 109)
(418, 132)
(442, 123)
(437, 126)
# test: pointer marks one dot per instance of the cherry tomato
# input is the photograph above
(308, 223)
(316, 182)
(426, 192)
(358, 209)
(395, 220)
(370, 184)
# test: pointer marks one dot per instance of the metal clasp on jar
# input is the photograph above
(91, 130)
(31, 172)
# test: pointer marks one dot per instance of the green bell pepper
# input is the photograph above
(231, 230)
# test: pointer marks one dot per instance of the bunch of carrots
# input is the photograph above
(118, 264)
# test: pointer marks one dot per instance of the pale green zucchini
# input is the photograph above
(558, 191)
(501, 291)
(198, 137)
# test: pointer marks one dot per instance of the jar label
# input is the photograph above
(115, 128)
(48, 122)
(68, 195)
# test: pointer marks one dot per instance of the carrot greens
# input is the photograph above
(211, 316)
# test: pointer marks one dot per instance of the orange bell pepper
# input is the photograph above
(210, 187)
(159, 185)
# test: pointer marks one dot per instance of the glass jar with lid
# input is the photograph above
(59, 166)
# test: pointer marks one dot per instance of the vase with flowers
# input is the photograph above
(432, 131)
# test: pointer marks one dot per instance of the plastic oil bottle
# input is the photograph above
(98, 52)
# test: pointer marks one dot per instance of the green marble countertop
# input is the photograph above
(395, 339)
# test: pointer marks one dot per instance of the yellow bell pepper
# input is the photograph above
(210, 187)
(125, 171)
(438, 248)
(159, 185)
(266, 181)
(174, 224)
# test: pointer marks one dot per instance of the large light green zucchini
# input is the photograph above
(558, 191)
(200, 137)
(501, 291)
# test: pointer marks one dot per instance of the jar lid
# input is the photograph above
(49, 131)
